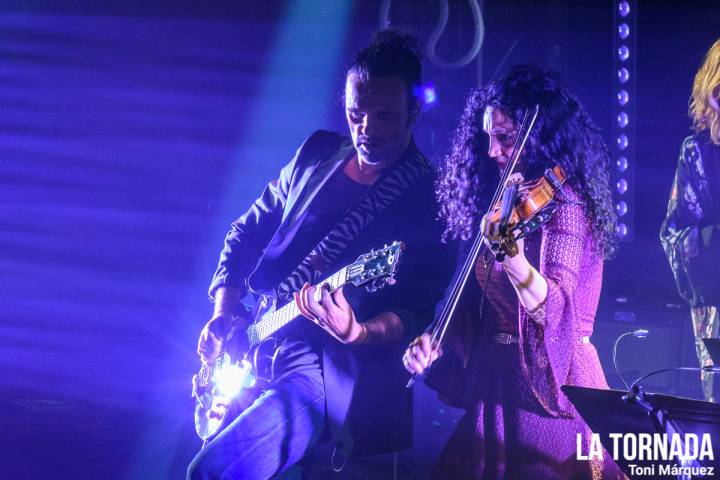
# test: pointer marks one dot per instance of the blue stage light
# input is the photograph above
(623, 53)
(623, 97)
(429, 94)
(624, 31)
(622, 186)
(622, 230)
(621, 208)
(623, 75)
(623, 119)
(623, 9)
(623, 142)
(621, 164)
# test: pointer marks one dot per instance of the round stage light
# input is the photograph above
(623, 75)
(623, 30)
(623, 119)
(621, 186)
(623, 9)
(623, 97)
(621, 208)
(623, 53)
(621, 164)
(621, 230)
(623, 141)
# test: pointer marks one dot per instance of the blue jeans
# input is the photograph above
(273, 434)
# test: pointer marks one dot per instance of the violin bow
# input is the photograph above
(440, 328)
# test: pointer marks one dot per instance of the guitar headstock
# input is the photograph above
(376, 268)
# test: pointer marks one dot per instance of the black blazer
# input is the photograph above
(369, 409)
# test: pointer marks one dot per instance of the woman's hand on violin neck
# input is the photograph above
(420, 354)
(491, 238)
(490, 229)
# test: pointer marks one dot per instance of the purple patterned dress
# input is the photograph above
(518, 424)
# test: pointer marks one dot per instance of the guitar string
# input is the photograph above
(266, 326)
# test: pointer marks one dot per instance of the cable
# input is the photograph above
(635, 387)
(706, 368)
(477, 41)
(385, 14)
(639, 333)
(440, 28)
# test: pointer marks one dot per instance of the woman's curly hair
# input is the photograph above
(563, 135)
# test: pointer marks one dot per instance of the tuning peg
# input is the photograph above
(371, 287)
(391, 280)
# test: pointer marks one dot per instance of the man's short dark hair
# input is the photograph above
(391, 53)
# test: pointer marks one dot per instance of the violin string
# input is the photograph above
(440, 328)
(518, 147)
(441, 325)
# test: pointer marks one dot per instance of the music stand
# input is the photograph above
(713, 346)
(608, 411)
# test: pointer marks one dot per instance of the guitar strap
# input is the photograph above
(383, 193)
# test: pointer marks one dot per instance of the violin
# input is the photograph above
(523, 208)
(515, 220)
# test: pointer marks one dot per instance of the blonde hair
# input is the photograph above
(704, 101)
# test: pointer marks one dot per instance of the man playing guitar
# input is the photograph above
(337, 198)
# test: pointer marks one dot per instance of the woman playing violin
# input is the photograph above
(523, 324)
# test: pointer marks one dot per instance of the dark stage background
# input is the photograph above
(132, 134)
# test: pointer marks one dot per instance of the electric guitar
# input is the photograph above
(247, 363)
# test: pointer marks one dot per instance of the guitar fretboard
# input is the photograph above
(272, 322)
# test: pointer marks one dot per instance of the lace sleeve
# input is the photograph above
(548, 333)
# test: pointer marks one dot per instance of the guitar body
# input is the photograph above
(215, 407)
(224, 389)
(230, 384)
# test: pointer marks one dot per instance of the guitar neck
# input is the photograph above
(272, 322)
